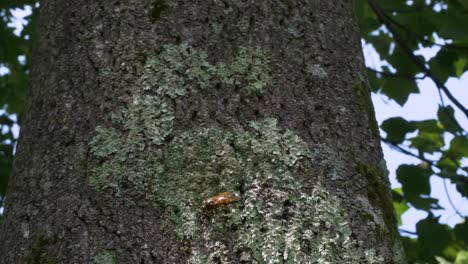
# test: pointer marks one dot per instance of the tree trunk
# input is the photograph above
(138, 112)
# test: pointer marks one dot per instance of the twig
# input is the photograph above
(407, 232)
(397, 75)
(404, 151)
(450, 200)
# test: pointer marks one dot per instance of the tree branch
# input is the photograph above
(404, 151)
(450, 200)
(397, 75)
(407, 232)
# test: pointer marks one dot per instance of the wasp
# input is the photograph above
(219, 201)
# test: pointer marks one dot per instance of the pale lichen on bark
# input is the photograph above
(105, 257)
(276, 221)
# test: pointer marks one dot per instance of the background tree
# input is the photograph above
(408, 25)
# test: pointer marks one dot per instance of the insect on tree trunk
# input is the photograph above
(206, 131)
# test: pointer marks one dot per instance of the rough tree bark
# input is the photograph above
(140, 110)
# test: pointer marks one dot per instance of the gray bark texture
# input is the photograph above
(88, 63)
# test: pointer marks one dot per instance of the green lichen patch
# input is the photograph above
(118, 176)
(377, 193)
(330, 160)
(282, 148)
(39, 254)
(109, 143)
(181, 68)
(106, 257)
(199, 164)
(217, 28)
(150, 117)
(197, 160)
(109, 174)
(276, 220)
(285, 225)
(124, 154)
(127, 151)
(251, 64)
(177, 70)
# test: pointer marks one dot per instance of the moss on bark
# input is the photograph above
(377, 193)
(158, 7)
(365, 103)
(39, 254)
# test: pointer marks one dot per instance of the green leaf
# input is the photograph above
(429, 125)
(374, 82)
(433, 237)
(427, 142)
(460, 65)
(448, 164)
(463, 3)
(415, 185)
(398, 88)
(381, 44)
(462, 257)
(397, 195)
(392, 4)
(429, 138)
(416, 22)
(458, 147)
(396, 129)
(6, 121)
(451, 23)
(447, 118)
(366, 17)
(403, 63)
(441, 260)
(414, 180)
(443, 65)
(425, 203)
(462, 185)
(451, 159)
(461, 231)
(399, 203)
